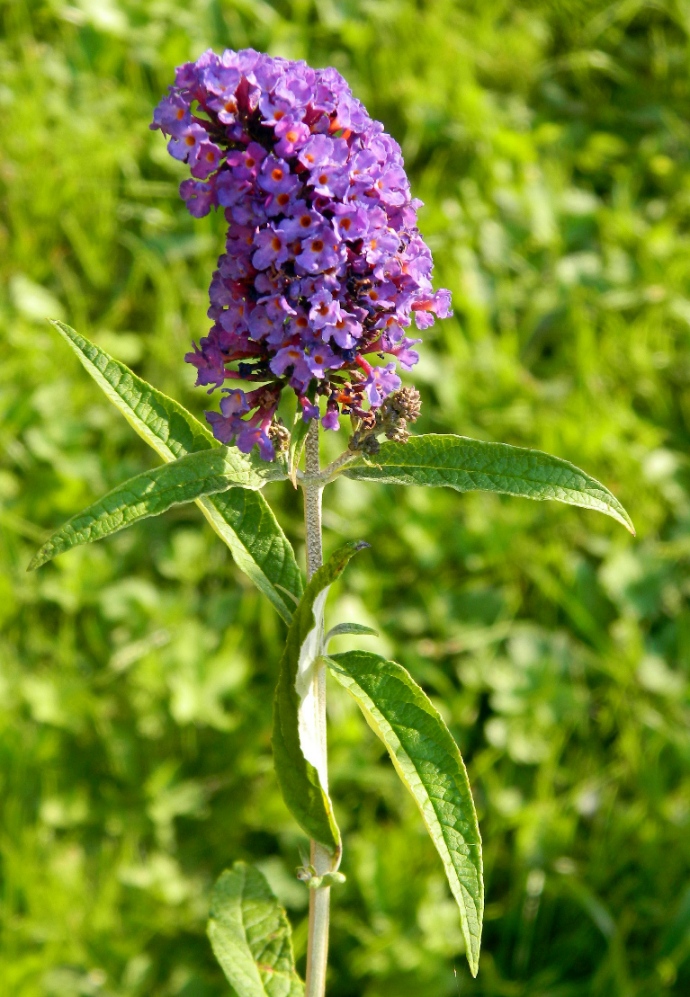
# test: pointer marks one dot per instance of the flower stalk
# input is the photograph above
(320, 857)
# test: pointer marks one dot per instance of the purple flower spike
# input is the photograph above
(292, 136)
(271, 247)
(330, 420)
(199, 197)
(380, 382)
(319, 251)
(323, 264)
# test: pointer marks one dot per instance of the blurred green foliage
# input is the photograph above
(550, 142)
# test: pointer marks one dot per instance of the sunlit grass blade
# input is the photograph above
(251, 937)
(154, 492)
(428, 761)
(474, 465)
(243, 519)
(298, 763)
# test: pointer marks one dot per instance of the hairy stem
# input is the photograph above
(319, 900)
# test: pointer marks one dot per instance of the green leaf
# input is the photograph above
(428, 761)
(154, 492)
(350, 628)
(473, 465)
(243, 519)
(303, 780)
(298, 439)
(250, 935)
(166, 425)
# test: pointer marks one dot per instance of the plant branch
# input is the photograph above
(329, 473)
(321, 859)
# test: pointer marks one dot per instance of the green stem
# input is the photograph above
(321, 859)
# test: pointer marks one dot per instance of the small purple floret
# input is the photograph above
(323, 265)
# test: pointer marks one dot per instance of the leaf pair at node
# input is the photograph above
(225, 483)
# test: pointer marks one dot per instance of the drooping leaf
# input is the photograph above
(428, 761)
(473, 465)
(250, 935)
(243, 519)
(297, 757)
(154, 492)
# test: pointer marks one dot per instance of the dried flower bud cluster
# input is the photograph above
(390, 419)
(324, 266)
(279, 436)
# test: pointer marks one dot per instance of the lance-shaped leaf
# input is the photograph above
(243, 519)
(250, 935)
(428, 761)
(297, 755)
(473, 465)
(355, 629)
(154, 492)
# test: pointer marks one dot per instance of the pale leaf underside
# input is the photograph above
(296, 764)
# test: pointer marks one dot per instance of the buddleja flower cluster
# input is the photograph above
(323, 266)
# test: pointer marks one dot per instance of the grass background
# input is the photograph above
(549, 141)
